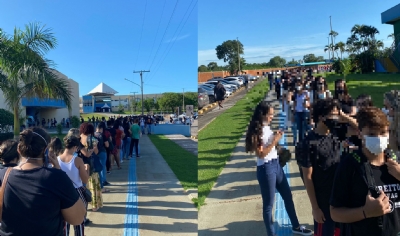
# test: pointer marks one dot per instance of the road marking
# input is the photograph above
(131, 218)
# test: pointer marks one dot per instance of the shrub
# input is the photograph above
(59, 129)
(6, 124)
(75, 122)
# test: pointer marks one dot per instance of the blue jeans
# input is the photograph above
(271, 176)
(300, 125)
(142, 128)
(103, 160)
(148, 129)
(127, 145)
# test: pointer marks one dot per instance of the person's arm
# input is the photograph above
(348, 119)
(318, 215)
(75, 214)
(86, 152)
(82, 170)
(261, 152)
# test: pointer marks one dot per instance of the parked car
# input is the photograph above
(223, 81)
(226, 86)
(202, 99)
(210, 93)
(237, 81)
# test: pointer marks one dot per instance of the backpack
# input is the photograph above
(305, 147)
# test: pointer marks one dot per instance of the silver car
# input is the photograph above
(203, 99)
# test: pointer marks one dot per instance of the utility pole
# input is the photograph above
(237, 40)
(141, 82)
(134, 98)
(183, 105)
(330, 20)
(329, 52)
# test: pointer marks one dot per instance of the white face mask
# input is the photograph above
(357, 109)
(376, 144)
(321, 96)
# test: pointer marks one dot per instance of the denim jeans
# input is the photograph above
(148, 129)
(300, 125)
(142, 128)
(271, 176)
(103, 159)
(127, 145)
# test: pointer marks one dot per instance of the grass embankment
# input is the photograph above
(218, 140)
(182, 162)
(374, 85)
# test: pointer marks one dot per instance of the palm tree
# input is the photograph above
(25, 72)
(389, 36)
(329, 48)
(341, 47)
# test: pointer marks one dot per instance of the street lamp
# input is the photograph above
(141, 87)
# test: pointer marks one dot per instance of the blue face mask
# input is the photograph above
(321, 96)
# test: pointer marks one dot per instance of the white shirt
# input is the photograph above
(71, 170)
(267, 138)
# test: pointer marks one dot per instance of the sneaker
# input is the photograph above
(302, 230)
(106, 183)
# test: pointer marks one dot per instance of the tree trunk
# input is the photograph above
(16, 121)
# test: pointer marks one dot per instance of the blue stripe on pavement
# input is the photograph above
(283, 225)
(131, 217)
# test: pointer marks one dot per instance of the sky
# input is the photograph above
(290, 29)
(105, 41)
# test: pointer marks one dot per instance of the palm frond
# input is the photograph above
(38, 38)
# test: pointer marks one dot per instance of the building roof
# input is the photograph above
(102, 89)
(391, 16)
(310, 63)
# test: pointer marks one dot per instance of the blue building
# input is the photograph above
(99, 99)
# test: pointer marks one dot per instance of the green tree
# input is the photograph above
(25, 72)
(121, 108)
(148, 104)
(202, 68)
(341, 47)
(169, 101)
(230, 51)
(277, 61)
(212, 66)
(310, 58)
(191, 98)
(156, 105)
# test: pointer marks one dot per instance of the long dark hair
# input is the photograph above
(254, 130)
(345, 90)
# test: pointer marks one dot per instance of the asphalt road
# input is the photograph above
(210, 115)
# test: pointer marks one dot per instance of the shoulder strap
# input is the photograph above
(3, 187)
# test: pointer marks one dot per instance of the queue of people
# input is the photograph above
(347, 153)
(48, 183)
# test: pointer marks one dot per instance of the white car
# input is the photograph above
(228, 93)
(237, 80)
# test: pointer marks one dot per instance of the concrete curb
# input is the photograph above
(193, 137)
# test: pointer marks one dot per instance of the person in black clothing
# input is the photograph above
(342, 94)
(366, 193)
(8, 153)
(110, 124)
(319, 159)
(219, 93)
(278, 88)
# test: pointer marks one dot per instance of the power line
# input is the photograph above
(164, 33)
(175, 40)
(152, 47)
(141, 32)
(173, 36)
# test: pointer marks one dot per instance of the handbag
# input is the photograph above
(3, 187)
(88, 195)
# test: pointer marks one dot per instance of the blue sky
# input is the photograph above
(288, 28)
(98, 41)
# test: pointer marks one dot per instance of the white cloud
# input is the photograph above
(177, 38)
(260, 54)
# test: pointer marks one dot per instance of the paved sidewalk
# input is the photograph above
(164, 208)
(185, 142)
(234, 205)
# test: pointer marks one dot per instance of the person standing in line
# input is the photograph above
(127, 141)
(9, 154)
(365, 191)
(262, 140)
(142, 125)
(102, 144)
(135, 132)
(76, 171)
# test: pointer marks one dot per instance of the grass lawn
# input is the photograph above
(182, 162)
(220, 137)
(374, 85)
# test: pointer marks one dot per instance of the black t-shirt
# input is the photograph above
(323, 155)
(347, 105)
(33, 200)
(350, 190)
(100, 145)
(113, 132)
(85, 159)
